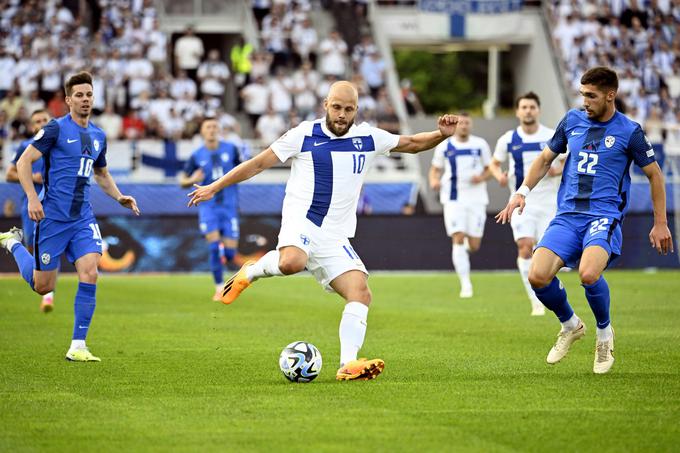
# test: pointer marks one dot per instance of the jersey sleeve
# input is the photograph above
(19, 151)
(558, 142)
(101, 159)
(46, 138)
(500, 153)
(486, 153)
(640, 149)
(290, 143)
(438, 156)
(190, 166)
(384, 141)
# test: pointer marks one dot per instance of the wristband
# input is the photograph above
(523, 190)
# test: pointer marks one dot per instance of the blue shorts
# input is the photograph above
(27, 225)
(223, 220)
(568, 235)
(77, 238)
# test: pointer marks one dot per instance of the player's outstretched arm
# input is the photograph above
(537, 171)
(25, 174)
(189, 180)
(427, 140)
(660, 236)
(241, 172)
(108, 185)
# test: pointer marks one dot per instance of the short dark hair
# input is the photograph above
(602, 77)
(35, 112)
(77, 79)
(530, 95)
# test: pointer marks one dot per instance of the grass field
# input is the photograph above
(181, 372)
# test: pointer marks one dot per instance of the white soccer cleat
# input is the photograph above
(14, 233)
(564, 340)
(604, 356)
(466, 292)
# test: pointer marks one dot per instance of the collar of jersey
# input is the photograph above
(70, 118)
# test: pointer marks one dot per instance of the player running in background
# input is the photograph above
(521, 146)
(38, 119)
(72, 148)
(330, 158)
(591, 205)
(218, 218)
(460, 168)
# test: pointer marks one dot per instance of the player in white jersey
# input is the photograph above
(459, 171)
(330, 158)
(520, 147)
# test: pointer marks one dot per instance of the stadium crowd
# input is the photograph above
(140, 94)
(641, 40)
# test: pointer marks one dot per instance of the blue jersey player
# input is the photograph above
(39, 118)
(591, 204)
(218, 218)
(73, 149)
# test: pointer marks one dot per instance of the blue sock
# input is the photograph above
(554, 297)
(215, 262)
(25, 261)
(84, 309)
(598, 299)
(229, 254)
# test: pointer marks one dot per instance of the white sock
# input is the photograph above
(77, 344)
(49, 295)
(605, 334)
(461, 263)
(352, 331)
(10, 243)
(218, 287)
(571, 323)
(523, 265)
(267, 266)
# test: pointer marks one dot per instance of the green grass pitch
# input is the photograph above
(181, 372)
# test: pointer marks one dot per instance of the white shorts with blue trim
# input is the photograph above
(329, 255)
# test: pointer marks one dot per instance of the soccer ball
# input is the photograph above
(300, 362)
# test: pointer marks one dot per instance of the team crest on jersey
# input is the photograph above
(39, 135)
(45, 258)
(225, 158)
(609, 141)
(96, 144)
(358, 143)
(304, 239)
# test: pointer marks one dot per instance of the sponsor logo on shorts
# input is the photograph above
(45, 258)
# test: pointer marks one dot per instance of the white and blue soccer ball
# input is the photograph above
(300, 361)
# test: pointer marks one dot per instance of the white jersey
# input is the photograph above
(328, 171)
(522, 149)
(461, 161)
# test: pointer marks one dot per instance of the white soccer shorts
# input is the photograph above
(464, 218)
(329, 256)
(532, 223)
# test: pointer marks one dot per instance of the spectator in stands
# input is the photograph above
(270, 127)
(240, 56)
(157, 51)
(362, 49)
(111, 123)
(333, 52)
(34, 102)
(261, 62)
(305, 42)
(7, 65)
(411, 101)
(57, 105)
(275, 38)
(213, 75)
(261, 9)
(182, 85)
(139, 73)
(28, 73)
(133, 126)
(280, 97)
(255, 99)
(115, 75)
(189, 52)
(373, 71)
(11, 104)
(160, 108)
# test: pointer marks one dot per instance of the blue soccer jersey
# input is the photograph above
(215, 164)
(596, 175)
(70, 153)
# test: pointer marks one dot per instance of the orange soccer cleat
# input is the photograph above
(360, 370)
(236, 284)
